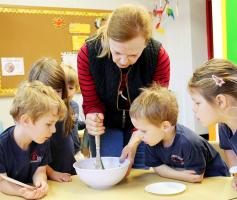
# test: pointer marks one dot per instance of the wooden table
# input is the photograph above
(132, 188)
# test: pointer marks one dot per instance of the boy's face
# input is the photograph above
(43, 128)
(71, 91)
(152, 134)
(203, 110)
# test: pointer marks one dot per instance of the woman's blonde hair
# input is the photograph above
(49, 72)
(222, 70)
(156, 104)
(36, 99)
(71, 75)
(124, 24)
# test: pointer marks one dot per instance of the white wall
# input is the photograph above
(184, 40)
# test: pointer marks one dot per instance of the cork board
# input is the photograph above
(34, 32)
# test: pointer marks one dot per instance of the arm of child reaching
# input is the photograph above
(231, 158)
(232, 161)
(57, 176)
(9, 188)
(40, 180)
(178, 174)
(130, 149)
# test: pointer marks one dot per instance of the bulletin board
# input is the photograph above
(34, 32)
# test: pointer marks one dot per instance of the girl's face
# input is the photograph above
(127, 53)
(71, 91)
(205, 112)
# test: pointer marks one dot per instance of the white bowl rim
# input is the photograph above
(110, 169)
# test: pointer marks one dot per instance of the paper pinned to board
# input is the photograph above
(79, 28)
(12, 66)
(69, 58)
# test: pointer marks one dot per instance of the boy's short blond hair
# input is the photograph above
(156, 104)
(36, 99)
(71, 75)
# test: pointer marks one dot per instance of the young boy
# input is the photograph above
(173, 150)
(24, 152)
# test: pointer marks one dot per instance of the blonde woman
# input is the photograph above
(112, 66)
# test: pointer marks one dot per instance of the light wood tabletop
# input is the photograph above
(132, 188)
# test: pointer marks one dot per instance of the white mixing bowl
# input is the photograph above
(113, 173)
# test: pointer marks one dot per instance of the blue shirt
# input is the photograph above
(228, 140)
(188, 151)
(62, 151)
(18, 163)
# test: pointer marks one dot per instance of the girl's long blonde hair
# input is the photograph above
(49, 72)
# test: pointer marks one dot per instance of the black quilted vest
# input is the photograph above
(107, 77)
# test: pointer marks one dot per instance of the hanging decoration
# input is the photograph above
(164, 9)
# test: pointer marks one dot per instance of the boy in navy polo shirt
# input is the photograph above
(173, 150)
(24, 152)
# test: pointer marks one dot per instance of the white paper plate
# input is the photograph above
(165, 188)
(233, 170)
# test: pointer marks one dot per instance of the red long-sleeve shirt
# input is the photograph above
(91, 101)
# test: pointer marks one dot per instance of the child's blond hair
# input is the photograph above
(71, 75)
(156, 104)
(36, 99)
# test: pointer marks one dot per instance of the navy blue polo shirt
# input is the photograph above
(62, 151)
(228, 140)
(18, 163)
(188, 151)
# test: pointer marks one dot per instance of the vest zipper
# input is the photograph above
(129, 100)
(124, 113)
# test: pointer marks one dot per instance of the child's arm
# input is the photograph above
(232, 161)
(40, 179)
(231, 158)
(57, 176)
(9, 188)
(183, 175)
(130, 149)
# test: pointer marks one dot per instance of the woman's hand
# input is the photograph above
(94, 123)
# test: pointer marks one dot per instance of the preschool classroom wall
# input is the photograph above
(184, 38)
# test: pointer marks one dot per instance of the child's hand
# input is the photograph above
(42, 185)
(128, 152)
(31, 194)
(130, 149)
(194, 177)
(234, 182)
(60, 177)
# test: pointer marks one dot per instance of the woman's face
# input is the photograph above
(127, 53)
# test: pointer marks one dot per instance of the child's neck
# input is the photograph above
(169, 137)
(22, 140)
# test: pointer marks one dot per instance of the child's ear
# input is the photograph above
(25, 119)
(166, 126)
(221, 101)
